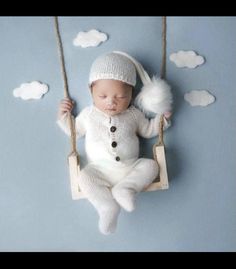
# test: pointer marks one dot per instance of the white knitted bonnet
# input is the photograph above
(119, 66)
(155, 95)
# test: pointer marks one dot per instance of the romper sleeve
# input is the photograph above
(148, 128)
(79, 121)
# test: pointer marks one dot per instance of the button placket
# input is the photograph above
(112, 130)
(113, 135)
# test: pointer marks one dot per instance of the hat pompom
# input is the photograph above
(155, 97)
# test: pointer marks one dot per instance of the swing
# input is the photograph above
(161, 182)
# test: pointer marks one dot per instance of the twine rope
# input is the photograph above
(65, 85)
(160, 141)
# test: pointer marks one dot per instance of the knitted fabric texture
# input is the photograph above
(97, 184)
(95, 125)
(113, 66)
(155, 96)
(112, 148)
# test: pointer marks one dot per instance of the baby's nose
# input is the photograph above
(110, 101)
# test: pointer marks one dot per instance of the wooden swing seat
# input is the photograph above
(161, 183)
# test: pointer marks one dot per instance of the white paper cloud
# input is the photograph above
(91, 38)
(199, 98)
(187, 59)
(32, 90)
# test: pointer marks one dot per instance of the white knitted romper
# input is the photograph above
(114, 173)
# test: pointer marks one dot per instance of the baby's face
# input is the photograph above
(111, 96)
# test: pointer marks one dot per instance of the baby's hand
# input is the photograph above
(167, 115)
(66, 105)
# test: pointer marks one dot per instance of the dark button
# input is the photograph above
(113, 129)
(117, 158)
(114, 144)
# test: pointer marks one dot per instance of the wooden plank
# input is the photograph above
(74, 169)
(162, 182)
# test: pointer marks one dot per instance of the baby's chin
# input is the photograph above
(112, 112)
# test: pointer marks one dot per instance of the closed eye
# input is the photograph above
(102, 96)
(122, 97)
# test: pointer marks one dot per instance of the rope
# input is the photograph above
(163, 64)
(160, 141)
(66, 88)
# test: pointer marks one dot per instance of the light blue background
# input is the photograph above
(197, 213)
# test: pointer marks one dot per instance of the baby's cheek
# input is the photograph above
(122, 107)
(99, 103)
(125, 104)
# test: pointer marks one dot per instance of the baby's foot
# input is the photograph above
(125, 197)
(108, 219)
